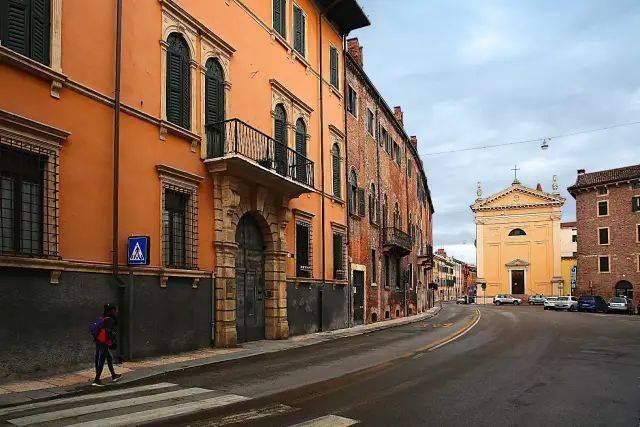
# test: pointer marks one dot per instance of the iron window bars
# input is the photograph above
(28, 200)
(180, 229)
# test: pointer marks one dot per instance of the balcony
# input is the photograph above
(425, 256)
(397, 241)
(236, 148)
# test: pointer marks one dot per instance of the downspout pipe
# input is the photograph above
(350, 303)
(322, 192)
(116, 142)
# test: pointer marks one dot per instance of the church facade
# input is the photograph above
(518, 241)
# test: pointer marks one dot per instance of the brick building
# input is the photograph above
(608, 225)
(389, 203)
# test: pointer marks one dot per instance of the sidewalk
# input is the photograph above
(25, 391)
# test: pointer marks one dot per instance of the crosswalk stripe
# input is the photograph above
(328, 421)
(84, 397)
(91, 409)
(163, 413)
(252, 415)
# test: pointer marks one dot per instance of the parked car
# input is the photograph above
(550, 303)
(621, 305)
(506, 299)
(536, 299)
(593, 303)
(566, 303)
(464, 299)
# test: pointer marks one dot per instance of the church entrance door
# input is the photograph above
(517, 282)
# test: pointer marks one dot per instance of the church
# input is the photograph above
(518, 241)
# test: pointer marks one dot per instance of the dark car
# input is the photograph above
(593, 303)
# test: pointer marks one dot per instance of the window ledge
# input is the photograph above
(168, 127)
(336, 199)
(335, 91)
(35, 68)
(300, 57)
(280, 39)
(355, 216)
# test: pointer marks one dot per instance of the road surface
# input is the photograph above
(470, 365)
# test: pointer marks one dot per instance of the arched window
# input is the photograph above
(280, 136)
(373, 211)
(26, 28)
(214, 107)
(178, 81)
(517, 232)
(301, 151)
(353, 192)
(335, 162)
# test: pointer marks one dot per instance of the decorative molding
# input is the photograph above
(517, 263)
(168, 171)
(8, 56)
(337, 132)
(298, 213)
(54, 137)
(276, 85)
(551, 200)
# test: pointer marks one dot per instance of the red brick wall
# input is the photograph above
(623, 249)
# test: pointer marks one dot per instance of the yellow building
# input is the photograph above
(568, 250)
(518, 240)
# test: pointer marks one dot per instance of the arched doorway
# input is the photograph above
(624, 289)
(249, 280)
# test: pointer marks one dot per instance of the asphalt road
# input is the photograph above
(514, 366)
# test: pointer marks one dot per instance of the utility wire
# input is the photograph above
(530, 141)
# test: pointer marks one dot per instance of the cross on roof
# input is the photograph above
(515, 174)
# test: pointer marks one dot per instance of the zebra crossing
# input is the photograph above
(145, 404)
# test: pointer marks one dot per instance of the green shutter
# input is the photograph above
(15, 25)
(302, 250)
(40, 30)
(297, 28)
(186, 93)
(337, 188)
(278, 18)
(333, 66)
(174, 88)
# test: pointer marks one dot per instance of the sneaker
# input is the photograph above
(116, 377)
(97, 383)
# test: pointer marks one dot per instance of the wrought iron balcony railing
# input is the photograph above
(397, 240)
(234, 136)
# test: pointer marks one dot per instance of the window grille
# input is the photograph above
(28, 199)
(179, 224)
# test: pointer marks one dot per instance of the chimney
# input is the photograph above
(581, 171)
(538, 187)
(355, 50)
(414, 141)
(442, 252)
(397, 113)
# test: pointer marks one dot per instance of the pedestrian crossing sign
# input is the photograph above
(138, 250)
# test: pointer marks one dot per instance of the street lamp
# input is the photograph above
(545, 144)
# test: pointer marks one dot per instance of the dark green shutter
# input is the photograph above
(280, 136)
(186, 93)
(174, 88)
(278, 19)
(333, 66)
(40, 30)
(178, 82)
(15, 25)
(337, 188)
(298, 25)
(302, 250)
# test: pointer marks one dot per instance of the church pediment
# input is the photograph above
(517, 196)
(517, 263)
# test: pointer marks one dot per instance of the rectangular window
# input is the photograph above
(398, 153)
(333, 67)
(352, 102)
(175, 229)
(280, 16)
(27, 203)
(603, 208)
(303, 248)
(574, 238)
(635, 204)
(370, 122)
(299, 30)
(603, 236)
(409, 166)
(603, 191)
(603, 264)
(374, 266)
(338, 256)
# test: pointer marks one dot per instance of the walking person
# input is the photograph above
(103, 330)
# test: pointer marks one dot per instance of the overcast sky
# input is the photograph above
(472, 73)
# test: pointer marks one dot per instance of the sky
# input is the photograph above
(474, 73)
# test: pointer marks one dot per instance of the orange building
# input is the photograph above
(206, 126)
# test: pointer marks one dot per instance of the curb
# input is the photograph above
(142, 374)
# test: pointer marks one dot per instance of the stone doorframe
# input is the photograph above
(517, 264)
(233, 198)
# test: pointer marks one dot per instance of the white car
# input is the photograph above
(566, 303)
(506, 299)
(550, 303)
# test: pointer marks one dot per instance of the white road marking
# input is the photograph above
(328, 421)
(92, 409)
(84, 397)
(253, 414)
(163, 413)
(459, 335)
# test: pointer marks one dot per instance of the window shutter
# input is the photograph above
(337, 188)
(302, 250)
(338, 260)
(186, 93)
(333, 65)
(40, 30)
(277, 16)
(303, 35)
(15, 26)
(211, 99)
(361, 202)
(174, 87)
(298, 30)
